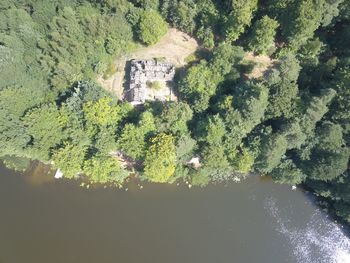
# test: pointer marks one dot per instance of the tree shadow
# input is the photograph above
(126, 82)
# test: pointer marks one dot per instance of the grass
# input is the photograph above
(156, 85)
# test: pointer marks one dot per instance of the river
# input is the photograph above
(43, 220)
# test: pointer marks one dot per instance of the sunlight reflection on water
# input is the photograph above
(318, 241)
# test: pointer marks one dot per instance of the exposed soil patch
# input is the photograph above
(261, 64)
(174, 47)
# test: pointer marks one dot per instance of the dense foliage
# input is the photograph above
(292, 123)
(151, 27)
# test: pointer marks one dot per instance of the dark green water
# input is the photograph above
(43, 220)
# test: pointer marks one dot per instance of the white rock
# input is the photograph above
(58, 174)
(294, 187)
(236, 179)
(194, 160)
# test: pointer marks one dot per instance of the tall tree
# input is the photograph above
(263, 36)
(151, 27)
(240, 17)
(307, 17)
(160, 161)
(283, 87)
(105, 169)
(69, 159)
(44, 125)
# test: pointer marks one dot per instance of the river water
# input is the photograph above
(43, 220)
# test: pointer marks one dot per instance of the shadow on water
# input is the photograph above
(39, 173)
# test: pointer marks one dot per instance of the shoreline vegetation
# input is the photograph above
(267, 91)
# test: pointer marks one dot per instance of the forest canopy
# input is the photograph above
(291, 123)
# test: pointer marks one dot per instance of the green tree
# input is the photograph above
(317, 107)
(293, 133)
(74, 128)
(69, 159)
(147, 4)
(263, 36)
(214, 131)
(105, 141)
(309, 53)
(67, 68)
(327, 165)
(251, 104)
(198, 86)
(214, 157)
(214, 160)
(160, 161)
(185, 147)
(132, 141)
(331, 10)
(19, 36)
(181, 14)
(225, 57)
(283, 87)
(244, 161)
(13, 134)
(330, 136)
(306, 17)
(147, 122)
(206, 35)
(17, 100)
(272, 149)
(174, 117)
(105, 169)
(133, 137)
(201, 177)
(14, 102)
(102, 112)
(280, 9)
(44, 125)
(201, 80)
(208, 22)
(287, 173)
(341, 103)
(151, 27)
(240, 17)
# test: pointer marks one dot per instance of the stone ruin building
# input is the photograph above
(144, 71)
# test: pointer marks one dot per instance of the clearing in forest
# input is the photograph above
(174, 47)
(261, 64)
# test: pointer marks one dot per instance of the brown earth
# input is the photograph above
(262, 64)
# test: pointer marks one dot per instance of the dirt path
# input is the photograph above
(174, 47)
